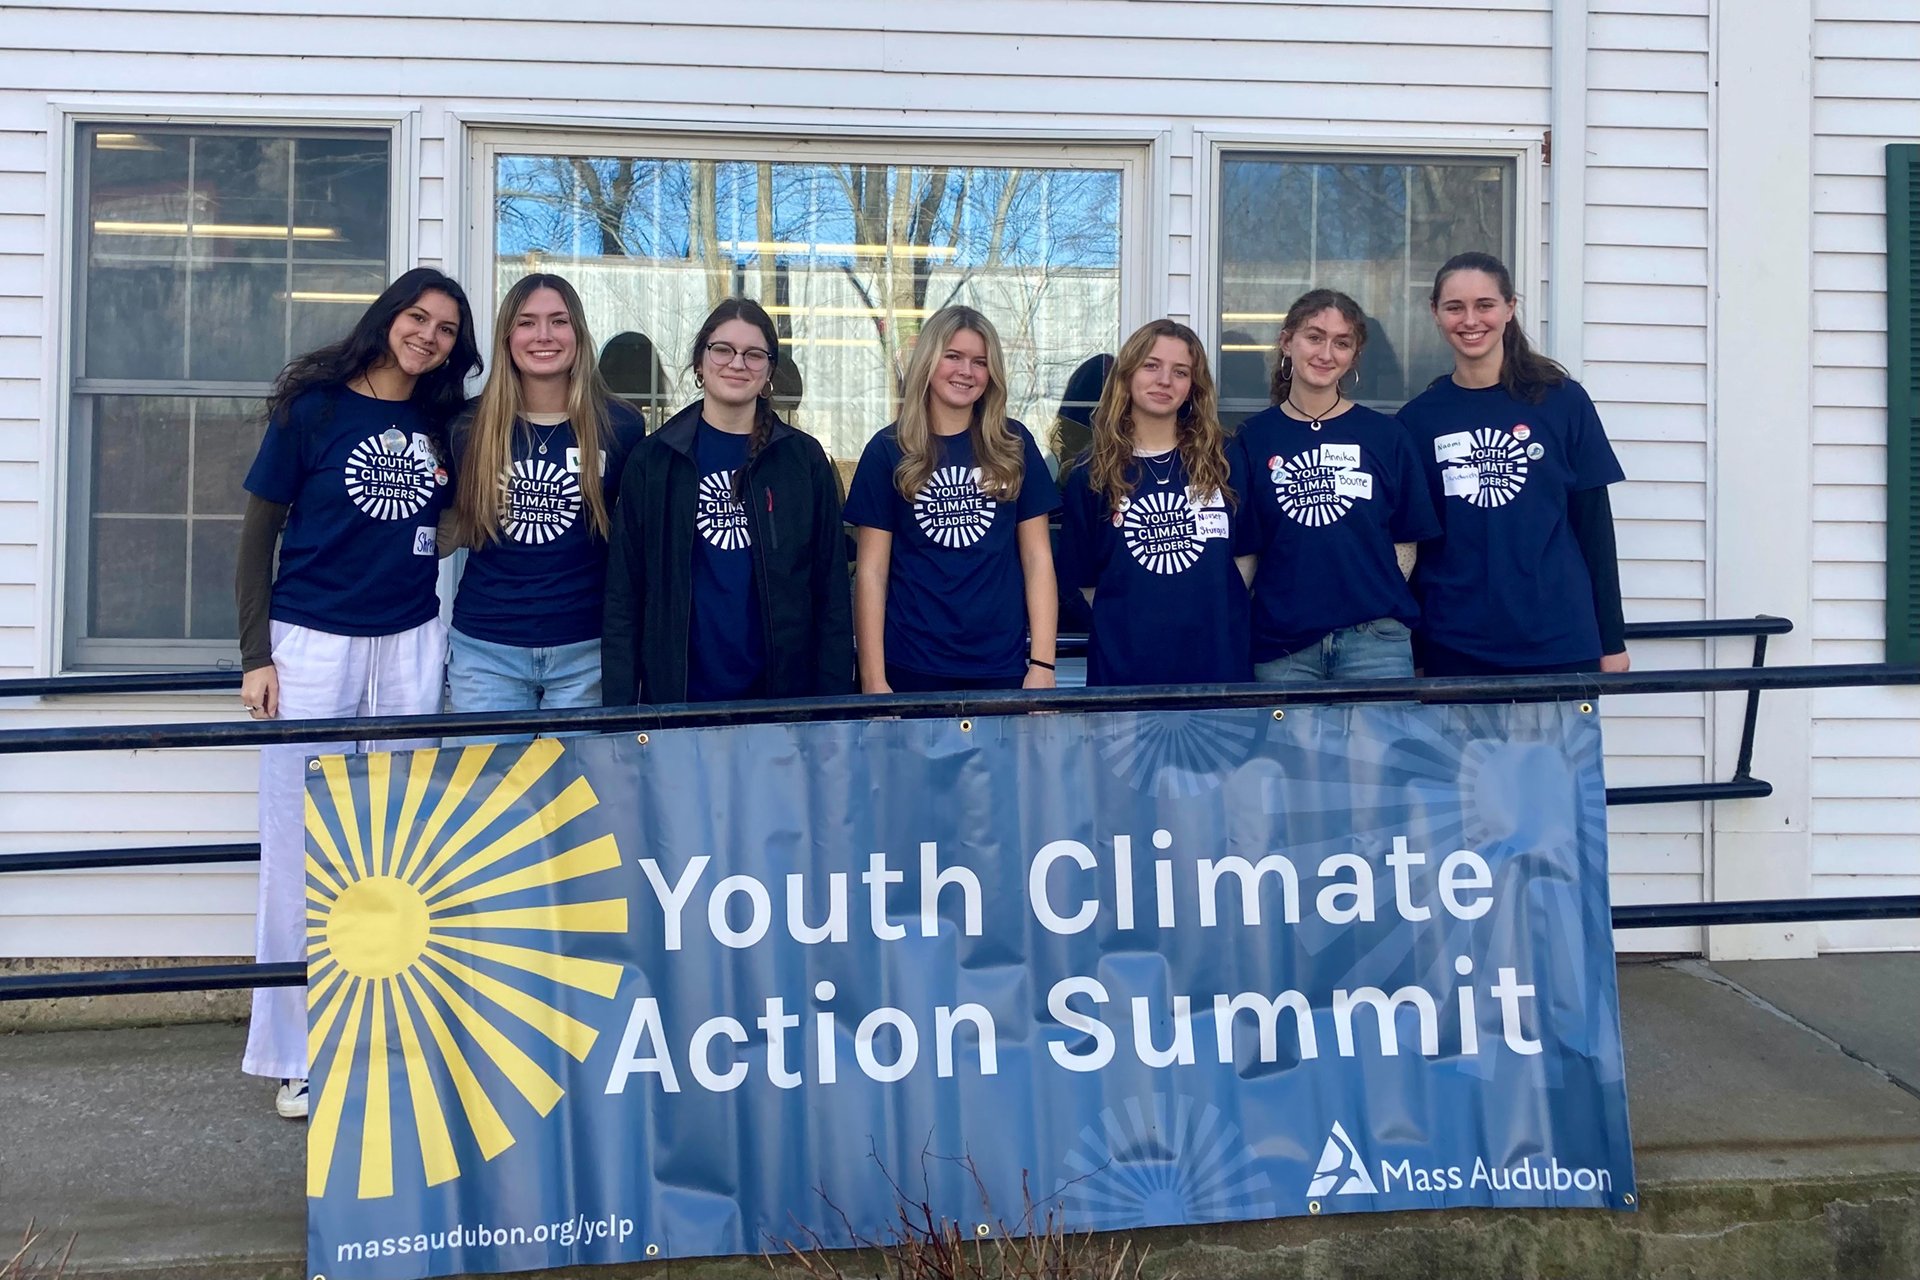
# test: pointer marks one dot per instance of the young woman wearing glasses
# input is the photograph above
(727, 572)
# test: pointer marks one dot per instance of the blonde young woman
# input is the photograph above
(1153, 530)
(539, 459)
(954, 587)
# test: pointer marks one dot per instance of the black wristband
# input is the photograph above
(1035, 662)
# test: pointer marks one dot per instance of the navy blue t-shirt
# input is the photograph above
(956, 594)
(1169, 604)
(727, 652)
(365, 482)
(1506, 583)
(1328, 505)
(543, 581)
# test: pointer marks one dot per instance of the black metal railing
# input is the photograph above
(1751, 680)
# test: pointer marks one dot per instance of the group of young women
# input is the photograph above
(708, 560)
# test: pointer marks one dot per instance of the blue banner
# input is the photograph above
(706, 991)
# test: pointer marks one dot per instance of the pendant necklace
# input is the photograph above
(544, 440)
(1147, 460)
(1314, 420)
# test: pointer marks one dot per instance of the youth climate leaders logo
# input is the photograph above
(390, 477)
(1320, 486)
(1487, 467)
(951, 510)
(1161, 531)
(542, 501)
(720, 520)
(1159, 1159)
(436, 959)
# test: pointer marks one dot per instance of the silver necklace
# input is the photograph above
(544, 440)
(1146, 460)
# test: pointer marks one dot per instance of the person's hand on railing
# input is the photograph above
(260, 692)
(1611, 662)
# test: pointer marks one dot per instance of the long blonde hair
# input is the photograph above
(479, 499)
(997, 452)
(1203, 441)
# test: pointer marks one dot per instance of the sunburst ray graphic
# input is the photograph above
(437, 931)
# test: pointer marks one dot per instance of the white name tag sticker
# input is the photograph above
(1454, 448)
(423, 540)
(573, 461)
(1354, 484)
(1461, 482)
(1209, 524)
(1341, 457)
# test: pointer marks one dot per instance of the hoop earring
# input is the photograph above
(766, 391)
(1356, 375)
(700, 381)
(1286, 367)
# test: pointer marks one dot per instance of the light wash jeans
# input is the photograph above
(483, 676)
(1377, 650)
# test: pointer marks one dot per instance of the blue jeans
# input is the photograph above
(1377, 650)
(483, 676)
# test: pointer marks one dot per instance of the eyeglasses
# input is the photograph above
(753, 357)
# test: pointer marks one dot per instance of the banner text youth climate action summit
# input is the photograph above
(1462, 886)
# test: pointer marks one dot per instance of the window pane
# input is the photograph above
(140, 456)
(1374, 228)
(215, 550)
(340, 188)
(139, 581)
(226, 435)
(193, 240)
(849, 259)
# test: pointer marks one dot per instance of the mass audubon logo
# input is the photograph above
(951, 510)
(720, 520)
(542, 502)
(1343, 1171)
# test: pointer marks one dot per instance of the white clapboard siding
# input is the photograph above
(1646, 306)
(1866, 742)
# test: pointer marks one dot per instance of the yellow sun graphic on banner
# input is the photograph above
(394, 923)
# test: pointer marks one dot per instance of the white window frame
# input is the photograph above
(61, 652)
(1211, 149)
(1137, 158)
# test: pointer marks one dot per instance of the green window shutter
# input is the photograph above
(1903, 402)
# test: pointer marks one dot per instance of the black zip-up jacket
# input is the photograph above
(799, 567)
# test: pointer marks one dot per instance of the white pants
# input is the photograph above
(322, 676)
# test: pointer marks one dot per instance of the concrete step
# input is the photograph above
(1776, 1120)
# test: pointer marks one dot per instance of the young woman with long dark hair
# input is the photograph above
(1338, 502)
(1153, 529)
(349, 482)
(727, 576)
(954, 585)
(1523, 577)
(539, 458)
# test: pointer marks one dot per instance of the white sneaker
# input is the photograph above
(291, 1101)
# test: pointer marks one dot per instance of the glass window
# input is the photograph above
(848, 258)
(206, 258)
(1376, 228)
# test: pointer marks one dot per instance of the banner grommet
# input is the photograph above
(1279, 714)
(982, 1230)
(640, 738)
(1313, 1206)
(966, 726)
(1586, 708)
(653, 1251)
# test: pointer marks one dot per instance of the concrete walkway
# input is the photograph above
(1775, 1105)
